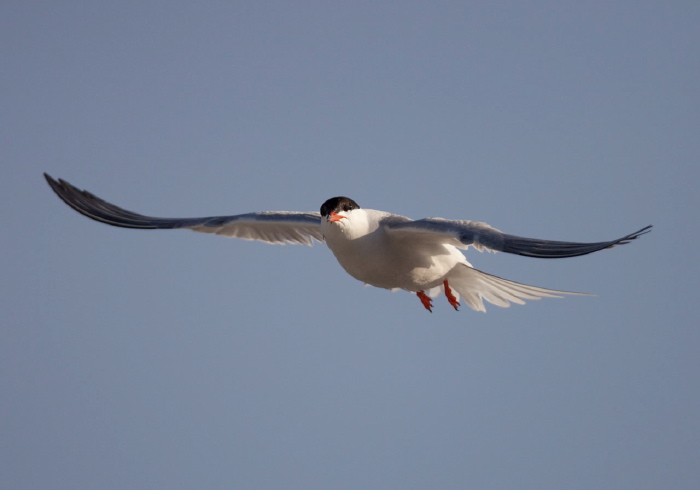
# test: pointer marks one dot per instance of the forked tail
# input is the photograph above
(475, 287)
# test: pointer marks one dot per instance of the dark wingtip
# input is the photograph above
(545, 249)
(635, 235)
(95, 208)
(49, 179)
(57, 186)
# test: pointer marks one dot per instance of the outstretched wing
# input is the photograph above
(271, 227)
(481, 236)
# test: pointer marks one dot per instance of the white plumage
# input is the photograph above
(378, 248)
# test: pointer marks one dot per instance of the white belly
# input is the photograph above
(377, 259)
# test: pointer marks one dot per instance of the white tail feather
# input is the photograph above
(475, 287)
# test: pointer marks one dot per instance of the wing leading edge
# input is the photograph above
(271, 226)
(482, 236)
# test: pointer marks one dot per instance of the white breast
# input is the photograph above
(368, 253)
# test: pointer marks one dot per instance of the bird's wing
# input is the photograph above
(481, 236)
(270, 227)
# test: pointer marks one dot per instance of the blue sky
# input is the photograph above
(172, 359)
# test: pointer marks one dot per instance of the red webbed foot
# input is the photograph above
(425, 299)
(451, 298)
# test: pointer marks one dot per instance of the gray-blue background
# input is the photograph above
(176, 360)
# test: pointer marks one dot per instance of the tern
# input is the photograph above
(381, 249)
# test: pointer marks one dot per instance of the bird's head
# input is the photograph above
(337, 208)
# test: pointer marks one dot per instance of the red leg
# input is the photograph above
(425, 299)
(450, 297)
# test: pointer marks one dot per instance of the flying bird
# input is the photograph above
(376, 247)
